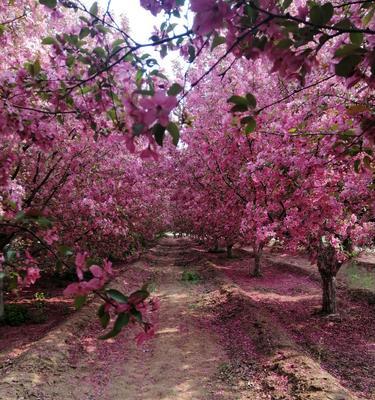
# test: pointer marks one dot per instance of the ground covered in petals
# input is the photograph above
(220, 334)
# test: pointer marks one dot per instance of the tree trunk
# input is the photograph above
(257, 266)
(328, 266)
(229, 251)
(329, 293)
(1, 296)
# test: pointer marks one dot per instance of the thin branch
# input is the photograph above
(295, 92)
(302, 21)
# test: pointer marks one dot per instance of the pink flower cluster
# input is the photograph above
(32, 272)
(101, 275)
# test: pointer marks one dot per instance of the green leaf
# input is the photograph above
(246, 120)
(347, 65)
(94, 9)
(44, 222)
(85, 31)
(49, 40)
(70, 60)
(174, 90)
(79, 301)
(348, 49)
(158, 131)
(251, 100)
(344, 24)
(191, 51)
(286, 4)
(49, 3)
(238, 108)
(65, 250)
(116, 296)
(356, 38)
(347, 134)
(138, 296)
(112, 114)
(121, 321)
(174, 131)
(368, 17)
(118, 42)
(99, 51)
(2, 274)
(104, 316)
(238, 101)
(250, 127)
(217, 41)
(320, 15)
(136, 314)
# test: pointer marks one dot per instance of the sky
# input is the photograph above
(141, 23)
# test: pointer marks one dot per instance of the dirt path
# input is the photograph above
(181, 362)
(214, 341)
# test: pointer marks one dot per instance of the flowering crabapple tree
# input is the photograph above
(297, 194)
(80, 111)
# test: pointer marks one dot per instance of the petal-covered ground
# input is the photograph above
(221, 335)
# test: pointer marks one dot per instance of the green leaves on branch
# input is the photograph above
(175, 89)
(123, 318)
(159, 133)
(243, 104)
(346, 67)
(94, 9)
(321, 15)
(116, 296)
(174, 132)
(217, 41)
(33, 68)
(49, 40)
(250, 126)
(121, 321)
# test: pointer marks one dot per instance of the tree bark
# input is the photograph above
(257, 271)
(229, 251)
(1, 297)
(329, 294)
(328, 266)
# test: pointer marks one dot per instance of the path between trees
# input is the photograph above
(213, 342)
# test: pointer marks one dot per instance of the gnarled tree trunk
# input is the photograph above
(1, 297)
(257, 271)
(329, 305)
(328, 266)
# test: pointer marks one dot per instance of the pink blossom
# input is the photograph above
(80, 262)
(210, 15)
(146, 335)
(32, 275)
(157, 108)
